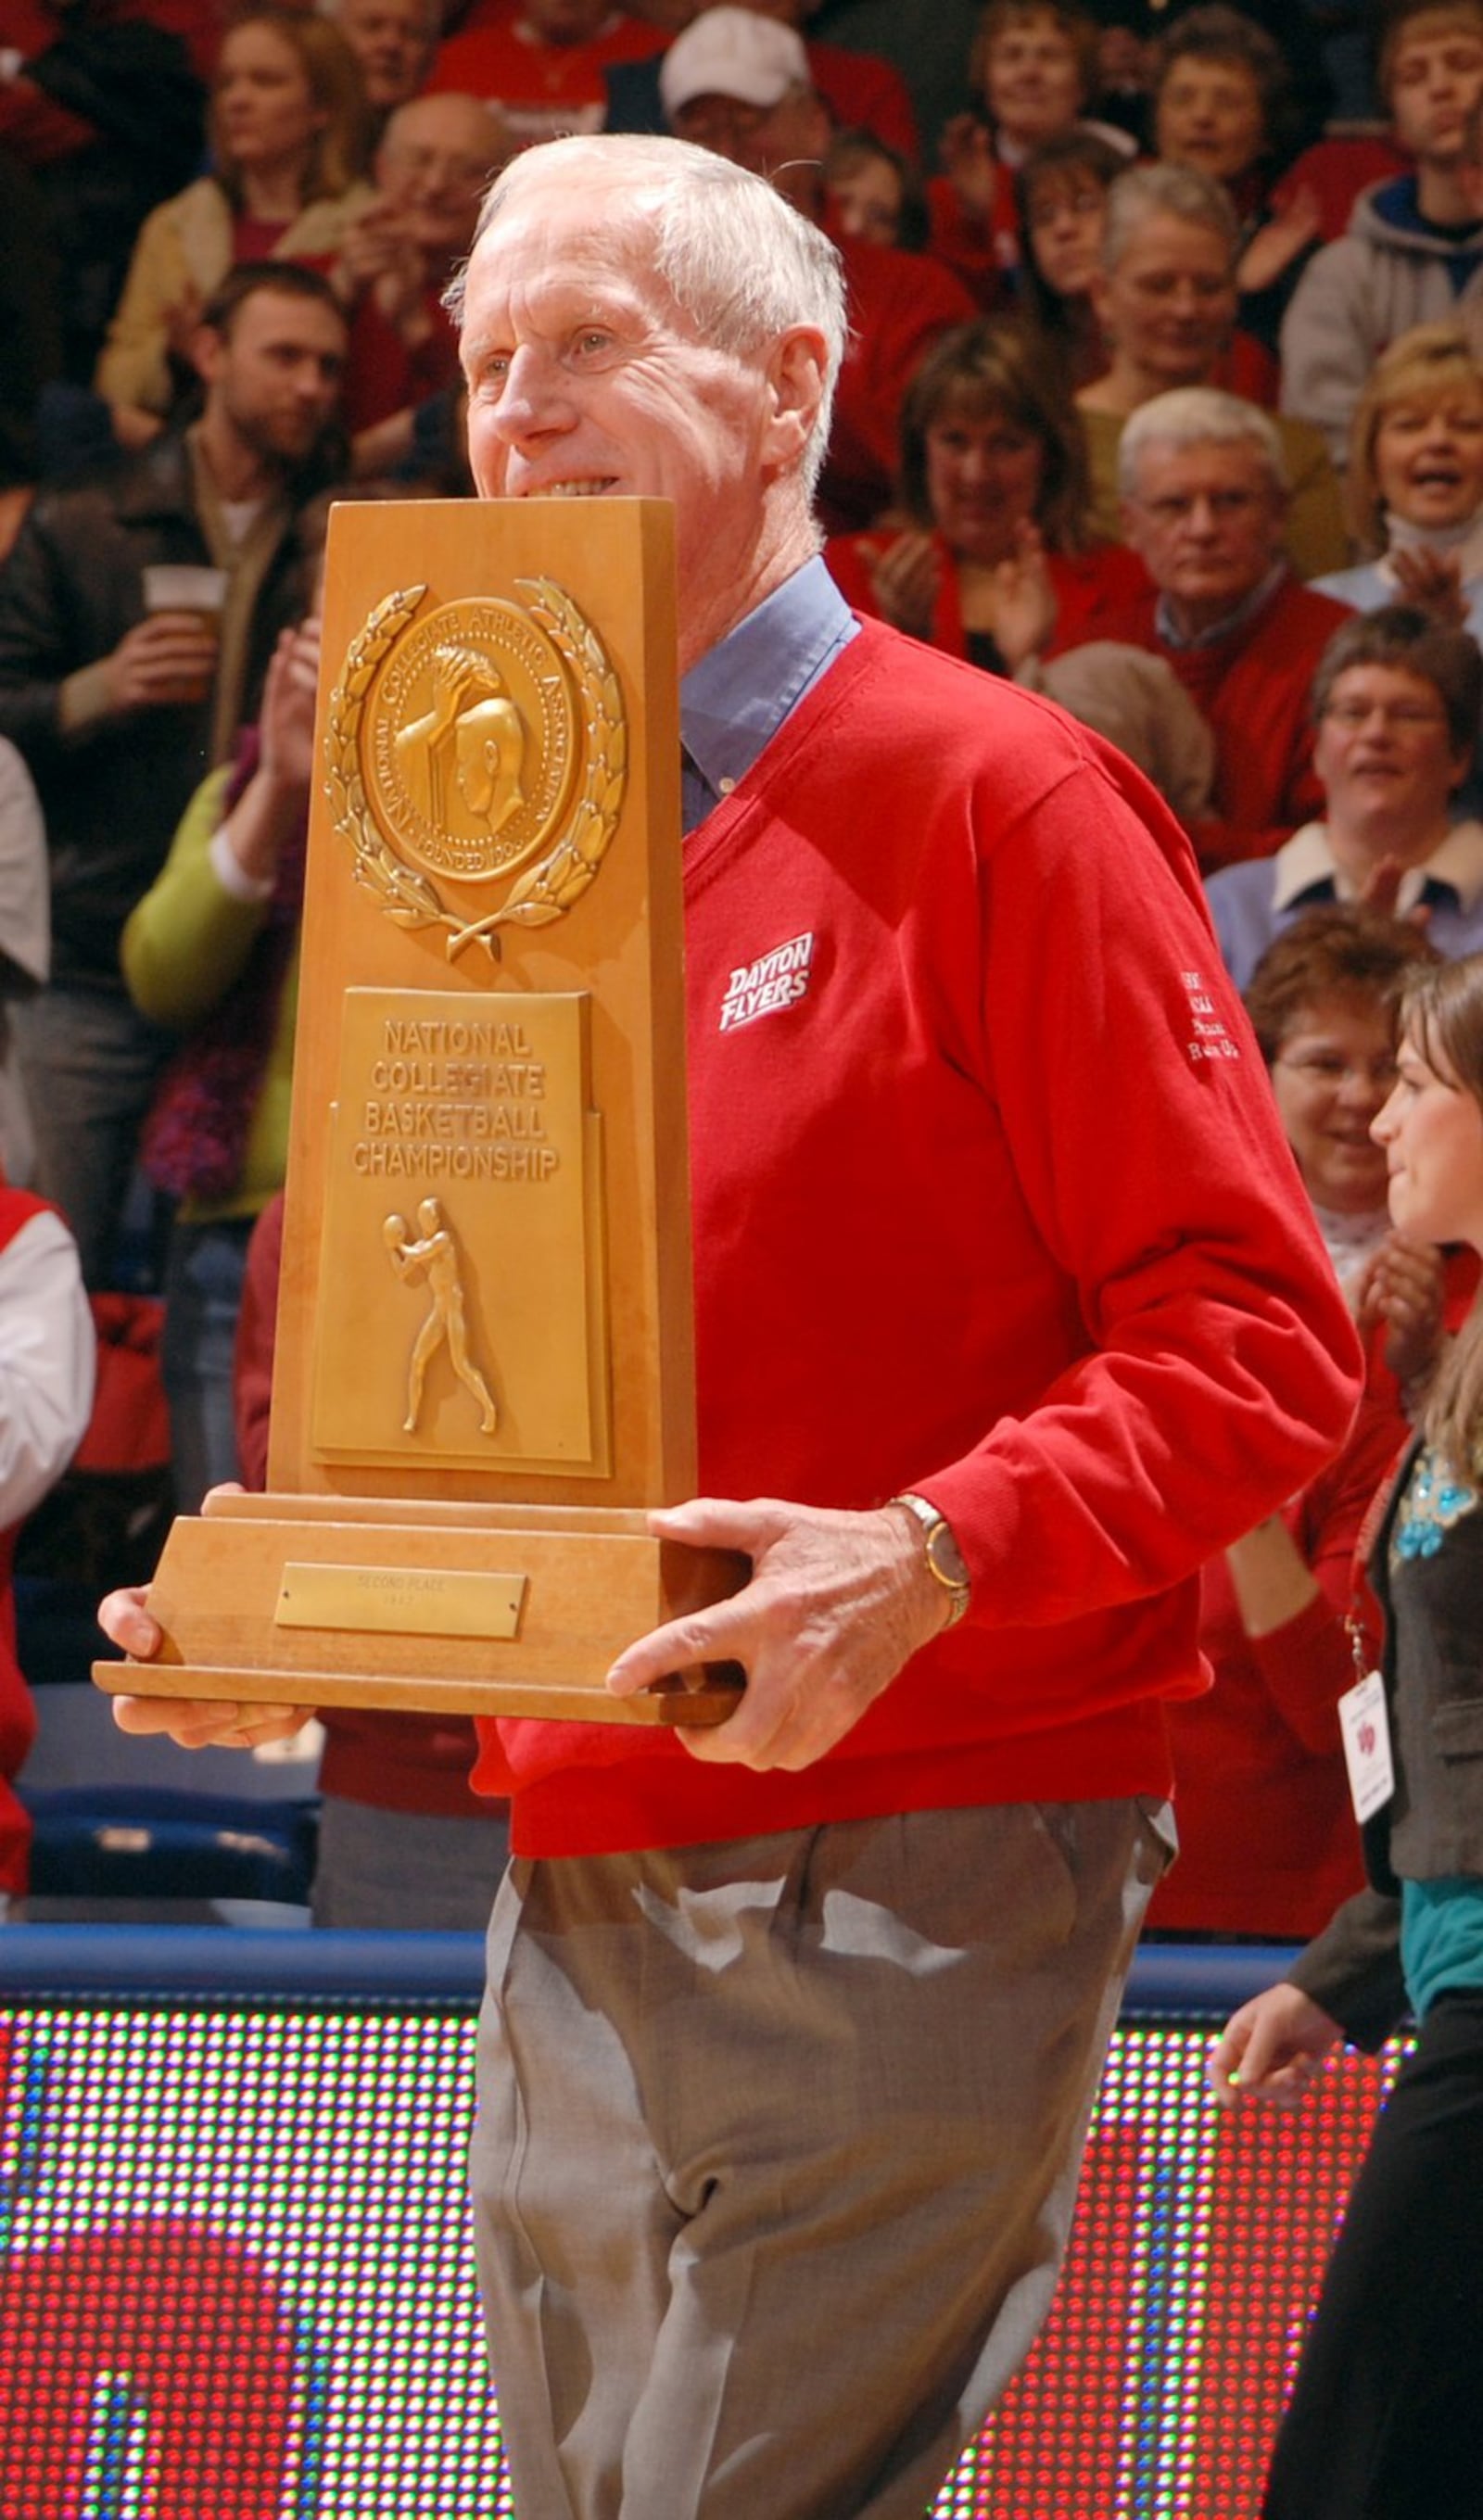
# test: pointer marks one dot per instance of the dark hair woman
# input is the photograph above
(993, 534)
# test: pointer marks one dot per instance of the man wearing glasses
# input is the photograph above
(1204, 502)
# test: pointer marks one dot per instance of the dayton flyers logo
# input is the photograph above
(764, 987)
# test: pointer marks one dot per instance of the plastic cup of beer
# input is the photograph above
(171, 586)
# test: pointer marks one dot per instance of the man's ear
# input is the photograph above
(795, 372)
(207, 350)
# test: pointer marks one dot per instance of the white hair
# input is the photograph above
(1164, 192)
(1199, 416)
(739, 261)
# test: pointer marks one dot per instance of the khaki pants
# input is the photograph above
(777, 2149)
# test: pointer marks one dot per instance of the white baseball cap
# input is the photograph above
(733, 52)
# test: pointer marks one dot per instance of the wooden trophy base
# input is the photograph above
(428, 1608)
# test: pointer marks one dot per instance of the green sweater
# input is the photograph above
(185, 945)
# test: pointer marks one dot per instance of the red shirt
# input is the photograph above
(543, 89)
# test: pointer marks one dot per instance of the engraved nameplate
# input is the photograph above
(400, 1600)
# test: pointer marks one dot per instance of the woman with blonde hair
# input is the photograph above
(1414, 485)
(290, 132)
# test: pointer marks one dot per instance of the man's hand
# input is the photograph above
(835, 1605)
(166, 660)
(196, 1723)
(1271, 2049)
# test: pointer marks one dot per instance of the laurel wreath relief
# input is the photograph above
(546, 890)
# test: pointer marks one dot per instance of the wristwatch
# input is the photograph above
(944, 1558)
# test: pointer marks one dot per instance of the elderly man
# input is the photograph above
(1396, 704)
(795, 2025)
(738, 82)
(1204, 503)
(435, 161)
(120, 697)
(394, 42)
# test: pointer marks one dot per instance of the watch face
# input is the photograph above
(946, 1556)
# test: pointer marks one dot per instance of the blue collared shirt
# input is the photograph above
(1251, 904)
(733, 702)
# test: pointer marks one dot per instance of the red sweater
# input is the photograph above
(1268, 1841)
(543, 89)
(995, 1207)
(1090, 587)
(1253, 690)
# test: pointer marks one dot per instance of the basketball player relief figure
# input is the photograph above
(433, 1258)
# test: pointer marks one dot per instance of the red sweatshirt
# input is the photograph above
(1253, 692)
(990, 1201)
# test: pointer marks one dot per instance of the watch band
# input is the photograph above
(943, 1556)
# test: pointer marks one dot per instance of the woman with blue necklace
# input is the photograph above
(1386, 2417)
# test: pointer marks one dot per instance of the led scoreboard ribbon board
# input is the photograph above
(235, 2281)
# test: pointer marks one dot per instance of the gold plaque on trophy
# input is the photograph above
(465, 1155)
(484, 1365)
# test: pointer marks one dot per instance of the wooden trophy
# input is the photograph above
(484, 1369)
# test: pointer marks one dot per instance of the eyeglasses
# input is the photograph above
(1222, 503)
(1353, 714)
(1329, 1068)
(1045, 212)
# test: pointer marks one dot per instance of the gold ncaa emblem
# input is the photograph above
(470, 738)
(464, 745)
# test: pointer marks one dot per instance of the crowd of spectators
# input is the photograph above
(1164, 395)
